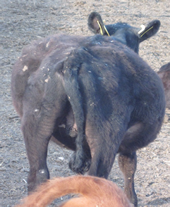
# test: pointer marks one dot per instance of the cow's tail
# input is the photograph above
(94, 192)
(72, 88)
(71, 70)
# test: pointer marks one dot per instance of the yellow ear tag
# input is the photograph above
(146, 31)
(100, 27)
(106, 31)
(101, 31)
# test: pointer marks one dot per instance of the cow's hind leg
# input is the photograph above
(127, 164)
(104, 141)
(37, 133)
(102, 160)
(137, 136)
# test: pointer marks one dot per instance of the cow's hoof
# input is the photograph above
(79, 163)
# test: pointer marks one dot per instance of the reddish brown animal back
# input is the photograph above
(93, 191)
(164, 74)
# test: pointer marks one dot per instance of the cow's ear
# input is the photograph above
(149, 30)
(95, 23)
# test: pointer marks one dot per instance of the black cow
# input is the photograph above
(93, 95)
(164, 74)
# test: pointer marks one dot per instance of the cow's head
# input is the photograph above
(123, 32)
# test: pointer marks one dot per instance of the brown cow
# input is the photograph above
(164, 74)
(92, 191)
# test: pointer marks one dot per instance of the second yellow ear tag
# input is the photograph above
(101, 31)
(141, 32)
(106, 31)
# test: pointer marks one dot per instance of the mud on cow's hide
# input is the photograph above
(93, 95)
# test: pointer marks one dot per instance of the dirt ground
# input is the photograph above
(21, 22)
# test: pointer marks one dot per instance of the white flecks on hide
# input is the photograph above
(42, 68)
(47, 44)
(47, 79)
(92, 104)
(25, 68)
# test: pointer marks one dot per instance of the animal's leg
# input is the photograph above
(104, 140)
(37, 133)
(127, 164)
(102, 160)
(137, 136)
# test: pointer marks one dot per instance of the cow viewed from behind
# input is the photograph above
(93, 95)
